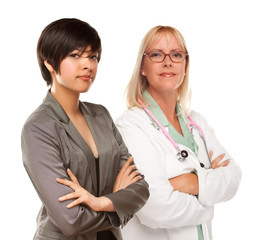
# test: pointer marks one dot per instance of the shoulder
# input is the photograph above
(95, 109)
(99, 113)
(43, 115)
(198, 117)
(42, 123)
(134, 115)
(200, 120)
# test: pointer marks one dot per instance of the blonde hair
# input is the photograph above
(139, 83)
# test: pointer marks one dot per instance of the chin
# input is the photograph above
(170, 88)
(85, 89)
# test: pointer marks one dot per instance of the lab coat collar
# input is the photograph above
(155, 109)
(187, 139)
(157, 112)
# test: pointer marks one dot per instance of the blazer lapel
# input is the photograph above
(103, 142)
(74, 134)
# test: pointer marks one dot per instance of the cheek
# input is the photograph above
(95, 68)
(183, 67)
(148, 69)
(67, 68)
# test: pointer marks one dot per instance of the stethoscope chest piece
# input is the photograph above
(182, 155)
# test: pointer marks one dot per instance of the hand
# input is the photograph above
(186, 183)
(215, 163)
(126, 176)
(82, 196)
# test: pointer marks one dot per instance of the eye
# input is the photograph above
(94, 57)
(178, 54)
(74, 55)
(155, 54)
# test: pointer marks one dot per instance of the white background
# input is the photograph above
(230, 45)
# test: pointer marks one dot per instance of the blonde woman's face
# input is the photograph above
(166, 76)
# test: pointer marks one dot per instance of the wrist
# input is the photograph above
(105, 204)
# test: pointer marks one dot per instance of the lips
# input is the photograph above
(167, 74)
(85, 77)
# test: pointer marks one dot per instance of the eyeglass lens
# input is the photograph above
(159, 56)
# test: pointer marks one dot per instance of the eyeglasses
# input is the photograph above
(159, 56)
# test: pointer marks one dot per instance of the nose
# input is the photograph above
(87, 64)
(167, 61)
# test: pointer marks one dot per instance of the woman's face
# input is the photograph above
(77, 70)
(167, 76)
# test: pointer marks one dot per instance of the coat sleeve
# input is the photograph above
(131, 199)
(221, 184)
(43, 163)
(165, 208)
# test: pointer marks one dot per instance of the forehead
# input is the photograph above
(165, 40)
(86, 50)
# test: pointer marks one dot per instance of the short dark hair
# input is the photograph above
(60, 38)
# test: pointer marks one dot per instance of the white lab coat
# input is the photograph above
(170, 214)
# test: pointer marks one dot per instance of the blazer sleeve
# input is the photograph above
(165, 208)
(43, 163)
(221, 184)
(131, 199)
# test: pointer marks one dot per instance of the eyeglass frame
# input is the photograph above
(169, 54)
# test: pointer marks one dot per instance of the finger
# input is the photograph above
(136, 179)
(72, 176)
(210, 154)
(68, 197)
(68, 183)
(74, 203)
(121, 173)
(64, 182)
(223, 164)
(130, 169)
(217, 160)
(126, 164)
(134, 174)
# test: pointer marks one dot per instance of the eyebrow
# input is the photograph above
(176, 49)
(82, 51)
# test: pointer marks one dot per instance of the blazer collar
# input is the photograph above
(51, 102)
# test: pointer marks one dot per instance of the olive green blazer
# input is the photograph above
(50, 145)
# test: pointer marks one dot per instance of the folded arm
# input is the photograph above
(218, 184)
(165, 208)
(188, 182)
(43, 163)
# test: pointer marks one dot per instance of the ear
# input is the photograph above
(142, 71)
(48, 66)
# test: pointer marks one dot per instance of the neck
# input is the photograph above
(68, 99)
(167, 103)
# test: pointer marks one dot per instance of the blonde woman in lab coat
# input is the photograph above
(187, 169)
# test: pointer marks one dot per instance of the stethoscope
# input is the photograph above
(181, 154)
